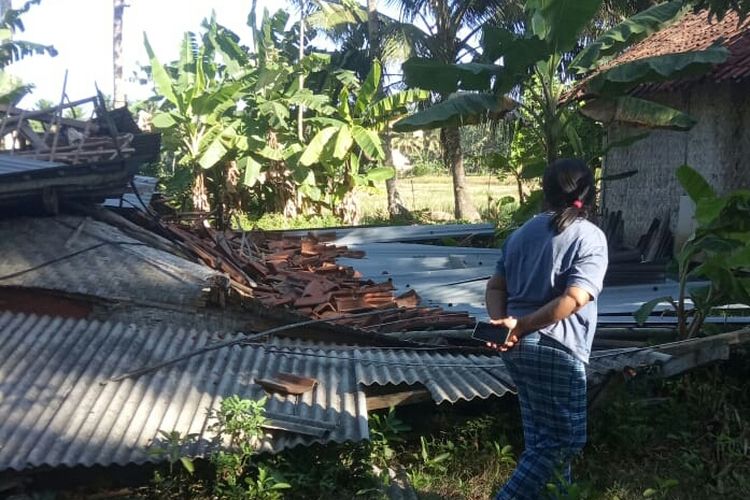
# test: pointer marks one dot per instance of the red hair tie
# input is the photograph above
(578, 204)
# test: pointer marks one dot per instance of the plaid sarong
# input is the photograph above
(551, 385)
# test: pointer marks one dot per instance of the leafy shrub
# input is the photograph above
(427, 167)
(275, 221)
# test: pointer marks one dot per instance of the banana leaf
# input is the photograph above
(694, 184)
(624, 77)
(625, 34)
(636, 111)
(458, 109)
(559, 22)
(447, 78)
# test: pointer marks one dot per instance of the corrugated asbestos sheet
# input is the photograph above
(447, 376)
(80, 255)
(361, 235)
(59, 406)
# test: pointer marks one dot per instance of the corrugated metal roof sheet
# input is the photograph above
(11, 165)
(80, 255)
(145, 187)
(59, 406)
(361, 235)
(455, 278)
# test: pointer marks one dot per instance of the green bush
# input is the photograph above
(274, 221)
(428, 167)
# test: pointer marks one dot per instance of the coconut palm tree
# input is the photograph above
(118, 93)
(449, 29)
(395, 204)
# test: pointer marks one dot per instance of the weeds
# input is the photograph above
(235, 474)
(385, 431)
(687, 438)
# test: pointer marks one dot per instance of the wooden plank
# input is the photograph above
(408, 397)
(32, 136)
(701, 355)
(45, 112)
(736, 337)
(287, 383)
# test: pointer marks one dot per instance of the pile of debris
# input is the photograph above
(644, 263)
(301, 273)
(52, 158)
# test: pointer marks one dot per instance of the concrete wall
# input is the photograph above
(718, 146)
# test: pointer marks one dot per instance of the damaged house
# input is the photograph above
(117, 323)
(718, 146)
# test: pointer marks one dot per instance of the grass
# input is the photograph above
(434, 194)
(684, 438)
(429, 198)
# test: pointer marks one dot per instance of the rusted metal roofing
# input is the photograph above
(690, 32)
(84, 256)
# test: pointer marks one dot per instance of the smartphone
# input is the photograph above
(487, 332)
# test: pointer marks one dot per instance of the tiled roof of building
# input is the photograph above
(691, 32)
(698, 32)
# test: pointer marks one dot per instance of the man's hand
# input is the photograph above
(512, 339)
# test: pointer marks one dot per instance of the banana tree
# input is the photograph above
(197, 112)
(478, 86)
(350, 141)
(721, 243)
(271, 165)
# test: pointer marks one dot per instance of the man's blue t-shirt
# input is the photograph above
(538, 265)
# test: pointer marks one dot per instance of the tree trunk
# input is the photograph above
(118, 94)
(300, 108)
(519, 185)
(200, 192)
(395, 205)
(5, 6)
(453, 158)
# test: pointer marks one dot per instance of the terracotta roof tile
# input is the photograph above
(690, 33)
(301, 273)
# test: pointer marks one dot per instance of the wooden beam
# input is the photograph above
(413, 396)
(32, 136)
(736, 337)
